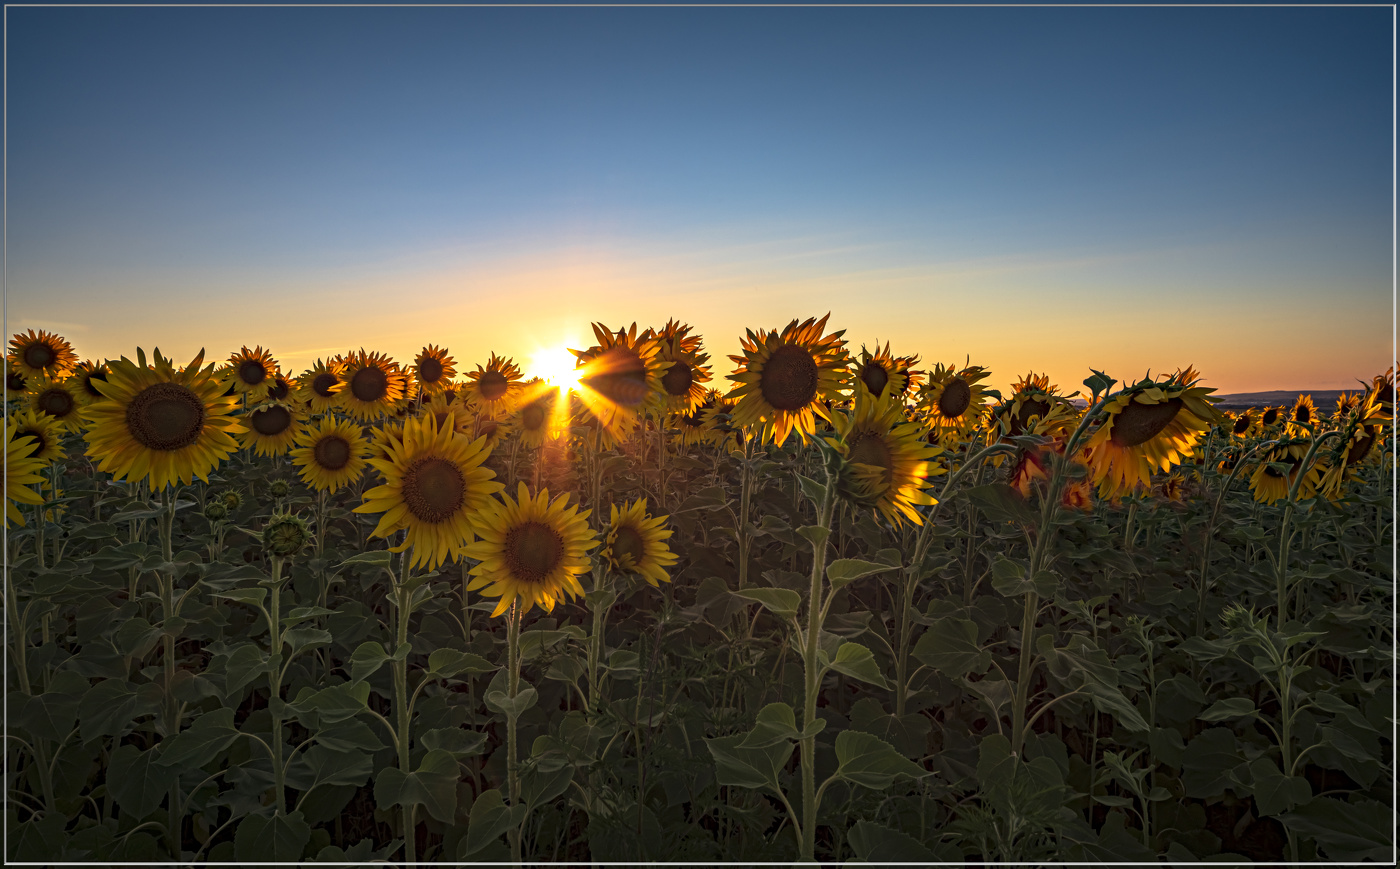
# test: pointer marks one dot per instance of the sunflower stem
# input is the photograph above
(512, 750)
(1210, 533)
(274, 684)
(1284, 537)
(401, 596)
(812, 675)
(600, 605)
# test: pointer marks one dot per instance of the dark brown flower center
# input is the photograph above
(532, 551)
(678, 379)
(271, 420)
(89, 378)
(1270, 416)
(628, 548)
(1139, 423)
(875, 377)
(56, 402)
(41, 442)
(279, 389)
(1302, 414)
(429, 370)
(493, 385)
(1359, 448)
(324, 383)
(332, 452)
(956, 398)
(433, 489)
(1242, 424)
(869, 448)
(532, 417)
(789, 378)
(1386, 393)
(165, 416)
(1031, 407)
(487, 428)
(40, 355)
(369, 383)
(252, 372)
(619, 375)
(14, 380)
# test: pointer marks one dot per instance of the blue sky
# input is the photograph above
(1042, 188)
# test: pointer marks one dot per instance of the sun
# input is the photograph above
(555, 366)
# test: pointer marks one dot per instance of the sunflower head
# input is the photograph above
(160, 424)
(41, 353)
(1277, 472)
(82, 377)
(433, 369)
(786, 377)
(536, 418)
(636, 543)
(371, 385)
(317, 388)
(58, 400)
(875, 373)
(494, 389)
(684, 373)
(1172, 488)
(1242, 426)
(15, 381)
(252, 372)
(532, 550)
(1302, 417)
(330, 455)
(270, 429)
(1383, 390)
(434, 487)
(954, 400)
(442, 408)
(282, 390)
(285, 535)
(620, 378)
(45, 435)
(23, 469)
(885, 458)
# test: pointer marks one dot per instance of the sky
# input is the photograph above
(1049, 189)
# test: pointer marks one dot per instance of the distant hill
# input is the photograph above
(1323, 399)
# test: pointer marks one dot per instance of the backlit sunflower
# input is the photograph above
(45, 434)
(887, 456)
(441, 407)
(1302, 417)
(22, 470)
(684, 373)
(1150, 426)
(433, 369)
(15, 381)
(636, 543)
(1361, 426)
(717, 420)
(283, 390)
(690, 426)
(493, 430)
(535, 416)
(382, 436)
(953, 400)
(1035, 407)
(1270, 483)
(784, 378)
(82, 377)
(57, 400)
(316, 389)
(1383, 389)
(434, 487)
(271, 429)
(531, 550)
(41, 353)
(1270, 418)
(160, 424)
(619, 379)
(252, 372)
(370, 387)
(492, 390)
(877, 372)
(1242, 426)
(330, 455)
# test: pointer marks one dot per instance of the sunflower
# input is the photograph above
(620, 379)
(59, 401)
(41, 353)
(1242, 426)
(252, 372)
(433, 369)
(22, 470)
(1302, 417)
(441, 407)
(160, 424)
(875, 372)
(1269, 418)
(271, 429)
(953, 400)
(1078, 495)
(434, 486)
(82, 377)
(492, 390)
(1035, 407)
(784, 377)
(46, 434)
(1172, 488)
(1362, 426)
(535, 417)
(370, 386)
(690, 425)
(636, 543)
(283, 390)
(531, 550)
(1270, 484)
(716, 418)
(683, 363)
(888, 458)
(317, 387)
(15, 381)
(493, 430)
(1383, 389)
(1148, 426)
(330, 454)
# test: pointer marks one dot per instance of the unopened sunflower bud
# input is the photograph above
(285, 535)
(215, 511)
(233, 500)
(279, 488)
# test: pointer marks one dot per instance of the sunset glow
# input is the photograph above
(554, 366)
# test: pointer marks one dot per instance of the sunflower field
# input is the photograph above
(811, 604)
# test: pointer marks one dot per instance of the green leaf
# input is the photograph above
(276, 838)
(871, 762)
(1274, 792)
(815, 534)
(782, 602)
(244, 665)
(201, 742)
(369, 657)
(457, 741)
(250, 596)
(814, 491)
(329, 705)
(109, 708)
(320, 765)
(490, 819)
(136, 781)
(1001, 503)
(447, 663)
(1358, 831)
(858, 662)
(53, 714)
(875, 843)
(379, 558)
(1010, 580)
(844, 571)
(1208, 762)
(996, 768)
(302, 613)
(500, 701)
(349, 736)
(950, 646)
(136, 637)
(1232, 707)
(776, 723)
(301, 639)
(748, 767)
(433, 784)
(541, 783)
